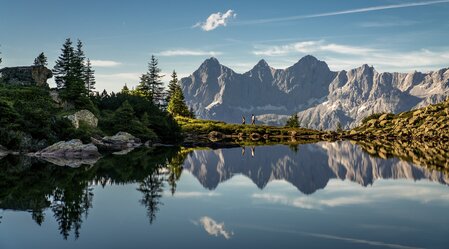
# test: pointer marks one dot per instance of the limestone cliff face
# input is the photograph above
(26, 76)
(321, 97)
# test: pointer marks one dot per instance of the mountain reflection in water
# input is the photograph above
(67, 193)
(308, 168)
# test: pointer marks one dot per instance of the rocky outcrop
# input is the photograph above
(428, 123)
(70, 149)
(26, 76)
(83, 116)
(119, 142)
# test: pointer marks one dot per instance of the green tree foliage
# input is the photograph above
(125, 90)
(172, 85)
(293, 121)
(62, 68)
(150, 115)
(177, 105)
(150, 84)
(9, 116)
(0, 58)
(41, 60)
(89, 77)
(69, 72)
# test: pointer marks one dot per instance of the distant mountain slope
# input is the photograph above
(322, 97)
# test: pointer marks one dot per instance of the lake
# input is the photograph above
(321, 195)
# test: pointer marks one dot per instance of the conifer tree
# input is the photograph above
(177, 105)
(143, 87)
(150, 85)
(125, 90)
(89, 77)
(62, 68)
(155, 84)
(172, 85)
(69, 71)
(41, 60)
(293, 121)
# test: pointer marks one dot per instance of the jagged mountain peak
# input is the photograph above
(262, 63)
(308, 62)
(211, 62)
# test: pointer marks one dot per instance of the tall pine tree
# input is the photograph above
(172, 86)
(150, 84)
(41, 60)
(69, 71)
(89, 78)
(62, 68)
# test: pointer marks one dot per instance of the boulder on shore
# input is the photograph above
(118, 142)
(84, 116)
(70, 149)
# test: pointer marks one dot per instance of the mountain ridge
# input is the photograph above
(322, 98)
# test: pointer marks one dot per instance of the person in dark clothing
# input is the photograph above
(253, 119)
(243, 120)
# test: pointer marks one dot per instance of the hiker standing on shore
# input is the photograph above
(253, 119)
(243, 120)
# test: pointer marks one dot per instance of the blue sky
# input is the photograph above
(120, 36)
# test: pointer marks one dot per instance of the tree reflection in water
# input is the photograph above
(152, 189)
(35, 186)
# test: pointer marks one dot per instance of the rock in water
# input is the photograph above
(70, 149)
(118, 142)
(26, 76)
(84, 116)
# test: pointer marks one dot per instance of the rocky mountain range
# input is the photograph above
(309, 168)
(322, 98)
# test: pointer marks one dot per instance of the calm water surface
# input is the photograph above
(324, 195)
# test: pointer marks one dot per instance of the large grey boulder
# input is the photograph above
(119, 142)
(26, 76)
(84, 116)
(70, 149)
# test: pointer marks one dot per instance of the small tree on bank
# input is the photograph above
(172, 85)
(177, 105)
(292, 121)
(41, 60)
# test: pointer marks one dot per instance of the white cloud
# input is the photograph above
(307, 47)
(215, 20)
(343, 12)
(186, 52)
(346, 194)
(344, 57)
(195, 194)
(105, 63)
(119, 76)
(214, 228)
(386, 24)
